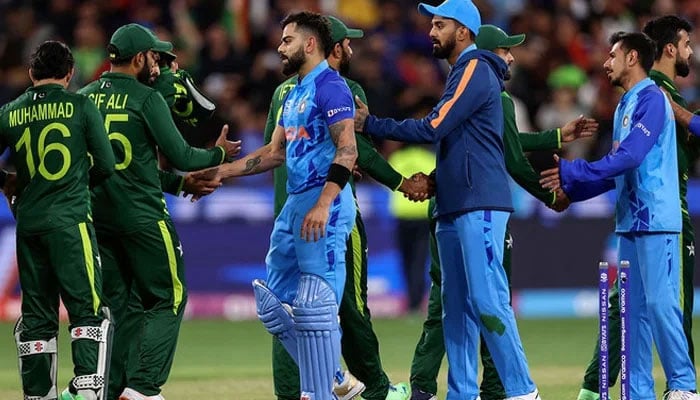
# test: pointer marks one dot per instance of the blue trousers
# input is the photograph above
(290, 255)
(475, 300)
(653, 307)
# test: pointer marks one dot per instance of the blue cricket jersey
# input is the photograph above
(642, 166)
(318, 101)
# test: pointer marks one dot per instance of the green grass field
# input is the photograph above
(231, 360)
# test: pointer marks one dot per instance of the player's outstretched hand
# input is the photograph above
(314, 225)
(232, 148)
(201, 183)
(578, 128)
(550, 177)
(361, 113)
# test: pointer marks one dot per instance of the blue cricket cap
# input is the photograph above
(463, 11)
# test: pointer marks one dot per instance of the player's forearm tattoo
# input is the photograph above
(346, 153)
(252, 164)
(336, 129)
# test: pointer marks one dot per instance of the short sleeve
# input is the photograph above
(336, 102)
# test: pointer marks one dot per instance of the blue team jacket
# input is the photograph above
(642, 166)
(467, 128)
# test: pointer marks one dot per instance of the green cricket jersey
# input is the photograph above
(50, 132)
(367, 156)
(688, 146)
(517, 164)
(137, 120)
(544, 140)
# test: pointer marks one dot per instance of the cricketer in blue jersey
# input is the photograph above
(306, 261)
(642, 167)
(473, 202)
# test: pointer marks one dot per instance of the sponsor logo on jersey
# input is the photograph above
(335, 111)
(643, 128)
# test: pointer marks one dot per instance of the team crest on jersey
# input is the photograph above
(625, 120)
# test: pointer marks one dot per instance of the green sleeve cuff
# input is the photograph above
(398, 186)
(180, 186)
(558, 138)
(554, 199)
(223, 154)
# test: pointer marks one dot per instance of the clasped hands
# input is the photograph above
(419, 187)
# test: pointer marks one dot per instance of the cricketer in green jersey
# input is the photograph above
(54, 136)
(138, 243)
(430, 349)
(673, 53)
(360, 346)
(186, 101)
(191, 107)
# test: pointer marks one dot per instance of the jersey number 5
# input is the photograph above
(43, 150)
(119, 137)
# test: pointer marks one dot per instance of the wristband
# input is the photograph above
(338, 175)
(694, 126)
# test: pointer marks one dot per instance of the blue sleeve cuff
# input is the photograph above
(694, 126)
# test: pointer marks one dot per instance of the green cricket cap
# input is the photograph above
(491, 37)
(340, 31)
(131, 39)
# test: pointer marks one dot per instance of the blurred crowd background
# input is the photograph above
(230, 47)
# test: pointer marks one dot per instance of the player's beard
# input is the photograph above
(682, 67)
(443, 51)
(344, 67)
(507, 75)
(294, 63)
(144, 76)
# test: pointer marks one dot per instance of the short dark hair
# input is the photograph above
(638, 42)
(315, 24)
(665, 30)
(112, 49)
(51, 59)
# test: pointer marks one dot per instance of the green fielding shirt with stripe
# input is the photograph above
(50, 132)
(368, 158)
(688, 146)
(138, 122)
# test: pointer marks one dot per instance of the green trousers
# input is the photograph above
(590, 379)
(144, 286)
(430, 349)
(63, 263)
(359, 343)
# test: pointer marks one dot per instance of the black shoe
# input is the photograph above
(417, 394)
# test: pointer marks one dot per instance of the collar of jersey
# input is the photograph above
(638, 87)
(469, 48)
(669, 84)
(109, 74)
(311, 76)
(48, 86)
